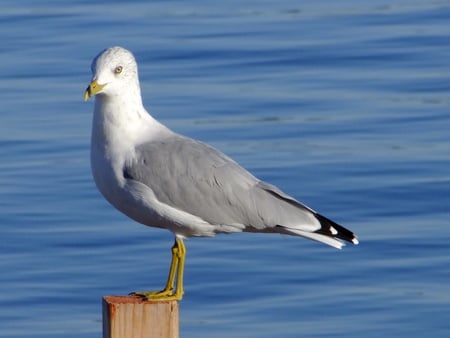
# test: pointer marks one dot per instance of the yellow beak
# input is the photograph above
(93, 88)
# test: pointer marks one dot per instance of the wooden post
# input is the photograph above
(132, 317)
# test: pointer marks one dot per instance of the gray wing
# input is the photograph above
(196, 178)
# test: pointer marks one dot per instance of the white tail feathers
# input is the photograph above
(336, 243)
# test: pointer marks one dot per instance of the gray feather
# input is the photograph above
(196, 178)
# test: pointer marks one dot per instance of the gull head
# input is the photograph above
(114, 72)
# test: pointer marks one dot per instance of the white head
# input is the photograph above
(114, 73)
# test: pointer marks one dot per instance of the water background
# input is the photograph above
(342, 104)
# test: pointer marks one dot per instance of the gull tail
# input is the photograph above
(330, 228)
(330, 233)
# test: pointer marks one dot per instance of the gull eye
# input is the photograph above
(118, 70)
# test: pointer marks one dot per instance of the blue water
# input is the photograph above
(344, 105)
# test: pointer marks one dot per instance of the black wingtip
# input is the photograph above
(332, 229)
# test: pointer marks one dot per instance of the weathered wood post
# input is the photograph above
(132, 317)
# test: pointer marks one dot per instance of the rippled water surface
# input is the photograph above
(344, 105)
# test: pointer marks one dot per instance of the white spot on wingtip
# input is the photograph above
(355, 241)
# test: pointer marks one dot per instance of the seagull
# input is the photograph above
(166, 180)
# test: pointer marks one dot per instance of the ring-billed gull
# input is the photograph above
(162, 179)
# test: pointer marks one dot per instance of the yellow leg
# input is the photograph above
(176, 269)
